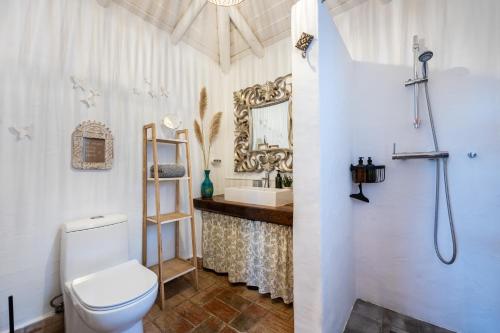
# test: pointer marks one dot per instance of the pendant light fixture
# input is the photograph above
(225, 2)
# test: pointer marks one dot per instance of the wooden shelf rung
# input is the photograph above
(173, 268)
(168, 218)
(168, 179)
(169, 141)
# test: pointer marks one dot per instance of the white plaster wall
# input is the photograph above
(337, 255)
(308, 303)
(323, 255)
(396, 266)
(43, 43)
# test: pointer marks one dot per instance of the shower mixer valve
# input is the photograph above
(431, 155)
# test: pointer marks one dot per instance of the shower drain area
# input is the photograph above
(370, 318)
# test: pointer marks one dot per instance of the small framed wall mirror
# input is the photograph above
(263, 120)
(92, 147)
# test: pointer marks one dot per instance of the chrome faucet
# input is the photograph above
(266, 179)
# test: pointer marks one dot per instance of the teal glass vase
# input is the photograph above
(207, 187)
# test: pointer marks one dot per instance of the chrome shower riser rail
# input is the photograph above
(436, 155)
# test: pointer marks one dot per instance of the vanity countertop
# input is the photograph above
(279, 215)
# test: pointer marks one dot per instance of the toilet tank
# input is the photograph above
(93, 244)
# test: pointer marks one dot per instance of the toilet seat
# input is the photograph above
(115, 287)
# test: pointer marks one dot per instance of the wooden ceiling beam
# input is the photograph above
(187, 19)
(245, 30)
(104, 3)
(223, 30)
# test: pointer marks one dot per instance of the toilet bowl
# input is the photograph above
(115, 299)
(103, 291)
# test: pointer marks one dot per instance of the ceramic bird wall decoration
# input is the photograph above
(89, 100)
(24, 132)
(77, 83)
(90, 94)
(163, 92)
(150, 88)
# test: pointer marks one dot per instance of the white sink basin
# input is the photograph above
(273, 197)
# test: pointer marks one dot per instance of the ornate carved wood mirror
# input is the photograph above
(263, 121)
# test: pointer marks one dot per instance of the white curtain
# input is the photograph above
(44, 43)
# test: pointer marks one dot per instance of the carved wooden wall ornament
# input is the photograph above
(92, 146)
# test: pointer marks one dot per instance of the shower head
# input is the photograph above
(425, 56)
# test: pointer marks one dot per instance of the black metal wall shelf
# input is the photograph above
(367, 174)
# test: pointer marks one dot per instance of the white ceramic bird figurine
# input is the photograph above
(89, 100)
(77, 83)
(163, 92)
(22, 132)
(150, 91)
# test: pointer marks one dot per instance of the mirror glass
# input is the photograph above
(270, 127)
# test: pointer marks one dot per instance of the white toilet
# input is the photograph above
(103, 290)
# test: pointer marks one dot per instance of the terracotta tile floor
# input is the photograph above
(218, 306)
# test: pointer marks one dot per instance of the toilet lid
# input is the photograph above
(115, 286)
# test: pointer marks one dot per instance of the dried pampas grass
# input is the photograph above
(203, 103)
(214, 127)
(199, 133)
(213, 130)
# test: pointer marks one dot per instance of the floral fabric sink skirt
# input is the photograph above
(256, 253)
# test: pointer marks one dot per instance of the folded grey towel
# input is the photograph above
(169, 171)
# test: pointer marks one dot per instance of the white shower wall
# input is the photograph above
(396, 266)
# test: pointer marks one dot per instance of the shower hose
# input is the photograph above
(447, 192)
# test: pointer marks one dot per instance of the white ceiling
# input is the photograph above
(269, 20)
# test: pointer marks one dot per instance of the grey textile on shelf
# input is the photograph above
(169, 171)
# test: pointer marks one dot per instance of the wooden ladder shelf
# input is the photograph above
(170, 269)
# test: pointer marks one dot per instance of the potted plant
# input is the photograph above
(206, 142)
(287, 181)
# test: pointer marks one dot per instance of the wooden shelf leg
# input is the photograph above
(191, 212)
(144, 195)
(177, 199)
(158, 224)
(195, 259)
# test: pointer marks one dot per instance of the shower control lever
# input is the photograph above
(412, 82)
(431, 155)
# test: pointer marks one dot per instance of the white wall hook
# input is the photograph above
(472, 155)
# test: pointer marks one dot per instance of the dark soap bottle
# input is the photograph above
(279, 181)
(371, 173)
(360, 171)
